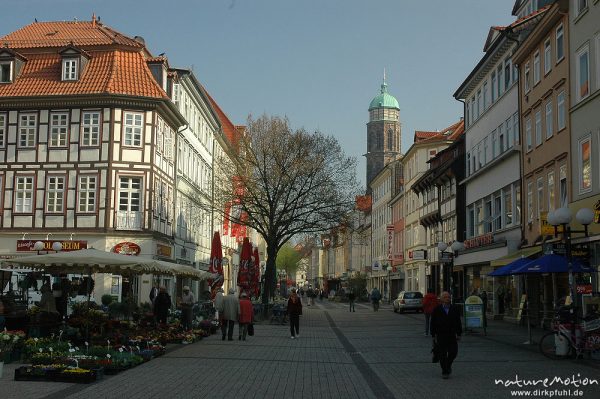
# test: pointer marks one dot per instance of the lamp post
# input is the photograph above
(563, 217)
(456, 246)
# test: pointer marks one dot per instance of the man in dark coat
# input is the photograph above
(446, 329)
(162, 304)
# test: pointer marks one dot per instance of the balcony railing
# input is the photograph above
(129, 220)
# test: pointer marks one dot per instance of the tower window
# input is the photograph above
(390, 139)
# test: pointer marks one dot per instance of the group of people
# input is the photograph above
(161, 303)
(231, 310)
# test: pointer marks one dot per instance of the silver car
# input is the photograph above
(409, 300)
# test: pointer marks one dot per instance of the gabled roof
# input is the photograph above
(452, 132)
(63, 33)
(229, 129)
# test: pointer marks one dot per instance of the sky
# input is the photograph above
(317, 62)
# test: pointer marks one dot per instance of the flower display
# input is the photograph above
(8, 339)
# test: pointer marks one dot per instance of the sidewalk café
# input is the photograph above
(68, 341)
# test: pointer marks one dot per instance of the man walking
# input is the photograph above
(375, 298)
(351, 299)
(446, 330)
(231, 313)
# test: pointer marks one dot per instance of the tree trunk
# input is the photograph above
(269, 286)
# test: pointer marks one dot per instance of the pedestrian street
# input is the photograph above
(339, 354)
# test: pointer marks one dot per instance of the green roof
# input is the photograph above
(384, 100)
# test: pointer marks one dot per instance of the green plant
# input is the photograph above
(106, 299)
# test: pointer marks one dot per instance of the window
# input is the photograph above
(6, 71)
(493, 87)
(390, 140)
(549, 120)
(133, 129)
(485, 94)
(473, 116)
(529, 202)
(540, 196)
(59, 123)
(507, 69)
(516, 127)
(471, 221)
(550, 191)
(27, 130)
(581, 6)
(585, 165)
(560, 43)
(536, 68)
(517, 204)
(538, 128)
(90, 128)
(24, 194)
(563, 185)
(509, 133)
(468, 164)
(561, 110)
(479, 107)
(487, 226)
(547, 57)
(526, 78)
(69, 70)
(3, 129)
(508, 211)
(479, 219)
(499, 75)
(86, 188)
(55, 194)
(501, 139)
(583, 74)
(130, 194)
(497, 212)
(528, 134)
(494, 144)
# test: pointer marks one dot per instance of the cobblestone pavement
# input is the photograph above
(363, 354)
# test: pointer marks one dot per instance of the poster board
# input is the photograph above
(521, 306)
(474, 312)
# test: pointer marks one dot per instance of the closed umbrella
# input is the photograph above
(216, 265)
(243, 279)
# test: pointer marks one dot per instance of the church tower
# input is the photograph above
(383, 132)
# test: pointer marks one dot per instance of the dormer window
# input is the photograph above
(6, 68)
(70, 68)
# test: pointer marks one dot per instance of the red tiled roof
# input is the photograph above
(110, 72)
(229, 129)
(63, 33)
(363, 203)
(452, 132)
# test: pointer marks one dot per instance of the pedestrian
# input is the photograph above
(162, 304)
(154, 292)
(219, 308)
(245, 318)
(430, 302)
(311, 296)
(187, 305)
(231, 313)
(351, 299)
(294, 310)
(500, 292)
(446, 329)
(375, 298)
(320, 295)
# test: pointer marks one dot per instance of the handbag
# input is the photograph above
(251, 329)
(435, 352)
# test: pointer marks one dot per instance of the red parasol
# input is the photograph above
(243, 279)
(256, 273)
(216, 264)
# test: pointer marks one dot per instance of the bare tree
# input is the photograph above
(285, 182)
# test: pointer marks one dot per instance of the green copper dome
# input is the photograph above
(384, 100)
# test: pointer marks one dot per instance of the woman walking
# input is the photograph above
(245, 318)
(294, 310)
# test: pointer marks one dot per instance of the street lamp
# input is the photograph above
(456, 246)
(563, 217)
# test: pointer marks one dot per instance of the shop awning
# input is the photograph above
(521, 253)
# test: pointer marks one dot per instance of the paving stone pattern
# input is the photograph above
(363, 354)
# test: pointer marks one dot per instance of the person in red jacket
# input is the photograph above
(430, 301)
(246, 313)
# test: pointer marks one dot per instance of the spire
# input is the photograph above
(383, 85)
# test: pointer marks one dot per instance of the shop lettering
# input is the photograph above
(68, 245)
(480, 241)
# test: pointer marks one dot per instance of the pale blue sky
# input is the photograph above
(319, 62)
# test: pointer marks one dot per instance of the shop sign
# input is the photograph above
(584, 288)
(581, 250)
(419, 254)
(480, 241)
(399, 257)
(474, 312)
(546, 229)
(390, 234)
(163, 250)
(597, 212)
(127, 248)
(446, 257)
(67, 245)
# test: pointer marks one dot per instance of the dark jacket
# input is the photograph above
(294, 308)
(446, 325)
(162, 302)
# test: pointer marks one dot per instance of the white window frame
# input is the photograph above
(59, 129)
(549, 119)
(485, 92)
(551, 188)
(493, 87)
(529, 202)
(3, 128)
(3, 77)
(510, 139)
(561, 111)
(133, 129)
(55, 193)
(87, 193)
(583, 187)
(538, 128)
(131, 194)
(507, 73)
(70, 69)
(540, 196)
(91, 123)
(580, 7)
(528, 137)
(579, 93)
(27, 130)
(527, 78)
(560, 43)
(547, 56)
(563, 186)
(537, 71)
(24, 191)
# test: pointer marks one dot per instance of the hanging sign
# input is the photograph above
(127, 248)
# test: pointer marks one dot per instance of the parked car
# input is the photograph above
(409, 300)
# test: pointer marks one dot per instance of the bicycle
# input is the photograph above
(571, 339)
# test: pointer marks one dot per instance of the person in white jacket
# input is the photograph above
(231, 313)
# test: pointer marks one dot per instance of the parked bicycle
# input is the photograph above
(571, 338)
